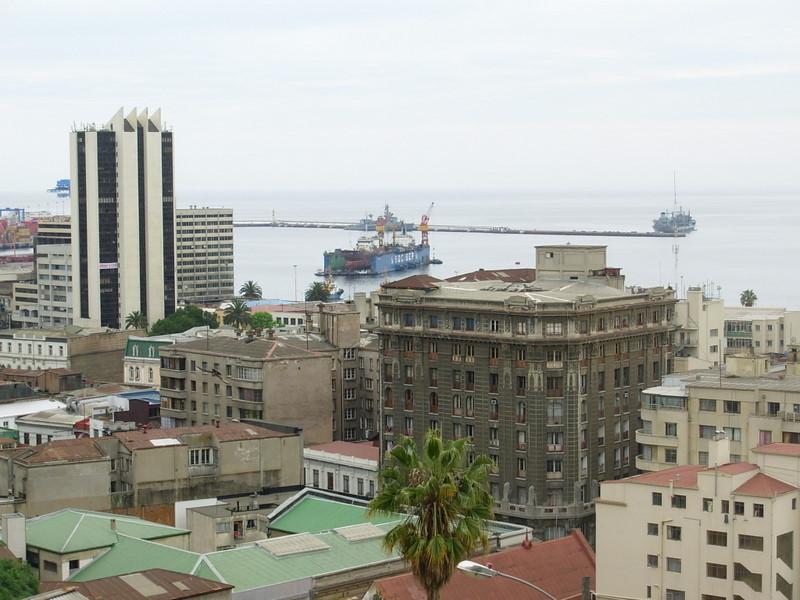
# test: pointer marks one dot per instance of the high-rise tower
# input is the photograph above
(123, 220)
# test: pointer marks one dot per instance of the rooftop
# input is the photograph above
(72, 450)
(790, 383)
(150, 584)
(71, 530)
(52, 416)
(27, 406)
(256, 348)
(314, 512)
(778, 448)
(684, 477)
(763, 486)
(557, 566)
(665, 390)
(226, 432)
(365, 450)
(414, 282)
(510, 275)
(67, 331)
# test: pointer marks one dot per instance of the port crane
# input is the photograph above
(423, 225)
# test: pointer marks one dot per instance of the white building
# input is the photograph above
(204, 255)
(25, 304)
(10, 411)
(44, 426)
(764, 330)
(54, 271)
(34, 349)
(699, 341)
(344, 467)
(123, 230)
(703, 533)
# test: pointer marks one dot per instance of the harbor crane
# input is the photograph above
(423, 225)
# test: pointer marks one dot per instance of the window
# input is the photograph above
(738, 508)
(751, 542)
(652, 561)
(673, 565)
(671, 429)
(251, 524)
(725, 507)
(494, 326)
(50, 566)
(652, 529)
(716, 571)
(785, 550)
(758, 510)
(734, 434)
(707, 431)
(670, 455)
(732, 407)
(783, 586)
(656, 498)
(346, 484)
(716, 538)
(708, 504)
(316, 478)
(201, 456)
(678, 501)
(674, 533)
(708, 405)
(553, 329)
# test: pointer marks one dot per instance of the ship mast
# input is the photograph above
(675, 247)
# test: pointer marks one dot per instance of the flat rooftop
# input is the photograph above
(226, 432)
(255, 348)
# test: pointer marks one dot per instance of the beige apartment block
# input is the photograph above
(204, 259)
(699, 341)
(541, 372)
(762, 330)
(692, 532)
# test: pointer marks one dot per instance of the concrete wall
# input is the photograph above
(51, 487)
(99, 356)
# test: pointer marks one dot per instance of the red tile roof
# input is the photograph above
(365, 450)
(736, 468)
(763, 486)
(779, 448)
(415, 282)
(76, 450)
(508, 275)
(226, 432)
(681, 477)
(557, 566)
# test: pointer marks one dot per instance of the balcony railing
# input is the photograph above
(522, 446)
(521, 419)
(554, 392)
(492, 389)
(494, 415)
(433, 355)
(558, 475)
(492, 362)
(494, 443)
(555, 447)
(554, 364)
(408, 405)
(554, 420)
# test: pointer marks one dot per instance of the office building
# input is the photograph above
(692, 532)
(123, 225)
(542, 376)
(204, 255)
(53, 247)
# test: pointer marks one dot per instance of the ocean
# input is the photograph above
(742, 241)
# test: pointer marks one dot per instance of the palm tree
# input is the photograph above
(447, 504)
(317, 292)
(250, 290)
(748, 298)
(136, 320)
(237, 313)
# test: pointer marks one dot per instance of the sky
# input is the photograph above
(415, 95)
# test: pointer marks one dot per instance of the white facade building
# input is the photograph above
(47, 425)
(34, 349)
(123, 230)
(204, 254)
(12, 410)
(729, 531)
(700, 340)
(344, 467)
(54, 271)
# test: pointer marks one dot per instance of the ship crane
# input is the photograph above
(423, 225)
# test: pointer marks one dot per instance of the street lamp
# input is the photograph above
(474, 569)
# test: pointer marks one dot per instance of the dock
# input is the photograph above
(462, 229)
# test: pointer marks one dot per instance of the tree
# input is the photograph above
(446, 502)
(17, 580)
(317, 292)
(748, 298)
(261, 320)
(237, 313)
(183, 319)
(250, 290)
(136, 320)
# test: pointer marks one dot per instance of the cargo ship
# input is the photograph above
(676, 220)
(385, 252)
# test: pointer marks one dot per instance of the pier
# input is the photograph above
(461, 229)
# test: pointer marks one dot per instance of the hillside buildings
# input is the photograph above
(204, 259)
(123, 225)
(692, 532)
(543, 376)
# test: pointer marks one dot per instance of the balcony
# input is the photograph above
(408, 432)
(522, 446)
(521, 364)
(408, 405)
(408, 354)
(647, 464)
(493, 362)
(554, 420)
(492, 389)
(494, 415)
(554, 393)
(388, 403)
(554, 364)
(651, 439)
(520, 419)
(558, 475)
(433, 356)
(494, 443)
(582, 509)
(555, 447)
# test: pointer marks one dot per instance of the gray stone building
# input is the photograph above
(204, 260)
(541, 373)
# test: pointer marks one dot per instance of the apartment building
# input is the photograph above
(25, 303)
(217, 380)
(753, 407)
(344, 467)
(761, 330)
(703, 533)
(700, 339)
(204, 244)
(123, 230)
(53, 248)
(544, 377)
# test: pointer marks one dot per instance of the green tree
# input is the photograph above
(317, 292)
(447, 503)
(136, 320)
(183, 319)
(17, 580)
(748, 298)
(237, 313)
(250, 290)
(261, 320)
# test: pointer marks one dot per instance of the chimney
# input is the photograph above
(14, 533)
(113, 523)
(719, 449)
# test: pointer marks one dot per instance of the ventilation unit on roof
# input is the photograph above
(361, 532)
(293, 544)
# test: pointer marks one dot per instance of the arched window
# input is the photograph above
(408, 403)
(130, 373)
(388, 399)
(521, 411)
(150, 374)
(434, 408)
(494, 409)
(151, 352)
(135, 350)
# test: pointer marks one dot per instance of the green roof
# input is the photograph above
(72, 530)
(246, 567)
(139, 348)
(314, 514)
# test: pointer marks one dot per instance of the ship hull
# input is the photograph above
(387, 260)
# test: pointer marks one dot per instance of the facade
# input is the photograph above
(53, 248)
(95, 353)
(543, 377)
(204, 255)
(123, 230)
(50, 381)
(699, 340)
(761, 330)
(702, 533)
(142, 362)
(217, 380)
(343, 467)
(25, 302)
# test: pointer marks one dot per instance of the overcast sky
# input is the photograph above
(400, 94)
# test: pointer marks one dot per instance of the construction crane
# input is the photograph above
(423, 225)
